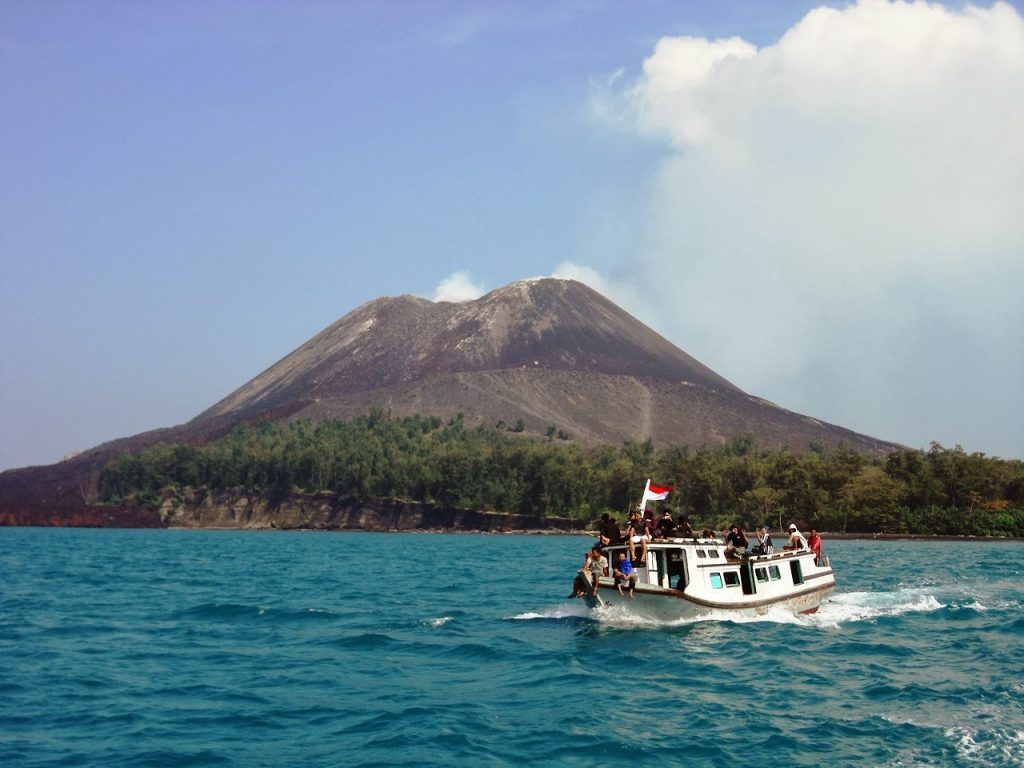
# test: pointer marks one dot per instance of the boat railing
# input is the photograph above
(690, 540)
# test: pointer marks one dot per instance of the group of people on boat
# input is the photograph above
(595, 565)
(736, 542)
(643, 527)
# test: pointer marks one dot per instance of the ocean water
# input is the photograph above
(195, 648)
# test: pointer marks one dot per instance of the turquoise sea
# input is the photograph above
(195, 648)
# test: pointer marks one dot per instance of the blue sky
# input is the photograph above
(819, 201)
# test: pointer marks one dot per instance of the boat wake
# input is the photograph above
(849, 607)
(574, 610)
(986, 740)
(836, 610)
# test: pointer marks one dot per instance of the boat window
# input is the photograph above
(712, 553)
(732, 579)
(773, 571)
(716, 581)
(700, 553)
(762, 574)
(798, 573)
(677, 567)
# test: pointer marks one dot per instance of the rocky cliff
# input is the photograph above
(325, 511)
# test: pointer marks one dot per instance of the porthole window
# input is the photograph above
(712, 553)
(700, 554)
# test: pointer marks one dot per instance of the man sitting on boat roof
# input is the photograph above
(764, 541)
(684, 529)
(636, 535)
(666, 526)
(735, 542)
(609, 531)
(796, 539)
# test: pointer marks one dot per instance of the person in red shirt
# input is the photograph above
(814, 543)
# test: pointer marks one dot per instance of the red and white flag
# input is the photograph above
(654, 493)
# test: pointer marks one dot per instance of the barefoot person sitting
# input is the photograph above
(636, 535)
(598, 568)
(595, 565)
(624, 573)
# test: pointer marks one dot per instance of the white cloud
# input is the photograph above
(837, 222)
(567, 270)
(457, 287)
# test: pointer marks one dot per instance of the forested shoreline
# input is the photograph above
(941, 491)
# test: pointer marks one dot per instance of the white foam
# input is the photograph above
(568, 610)
(848, 607)
(995, 746)
(841, 608)
(622, 615)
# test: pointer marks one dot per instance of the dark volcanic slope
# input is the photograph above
(549, 352)
(541, 325)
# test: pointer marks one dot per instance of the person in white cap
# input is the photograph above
(796, 539)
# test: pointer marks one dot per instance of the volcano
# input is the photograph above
(538, 354)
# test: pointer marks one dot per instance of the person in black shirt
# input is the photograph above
(735, 542)
(609, 531)
(666, 526)
(764, 541)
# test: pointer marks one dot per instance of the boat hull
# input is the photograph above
(669, 605)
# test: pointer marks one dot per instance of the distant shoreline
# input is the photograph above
(912, 537)
(825, 535)
(503, 531)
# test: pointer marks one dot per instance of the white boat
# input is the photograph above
(687, 578)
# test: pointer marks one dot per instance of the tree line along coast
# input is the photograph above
(941, 491)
